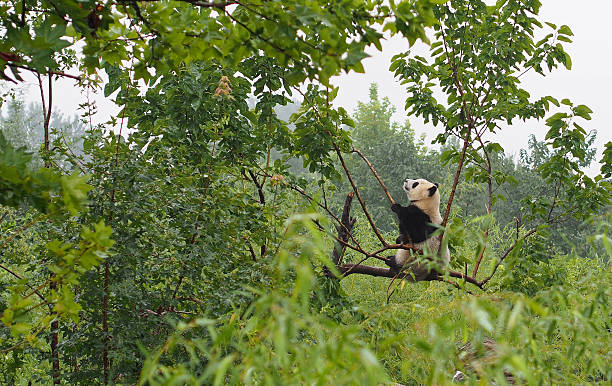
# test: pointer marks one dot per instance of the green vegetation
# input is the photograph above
(189, 239)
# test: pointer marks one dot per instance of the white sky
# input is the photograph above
(589, 82)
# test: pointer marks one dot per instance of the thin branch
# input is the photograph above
(78, 163)
(43, 103)
(518, 224)
(467, 134)
(391, 283)
(190, 298)
(195, 233)
(48, 118)
(142, 18)
(382, 184)
(489, 168)
(198, 3)
(57, 73)
(484, 247)
(303, 193)
(456, 180)
(262, 197)
(344, 232)
(259, 36)
(552, 206)
(490, 199)
(253, 255)
(346, 244)
(24, 227)
(262, 201)
(465, 277)
(34, 290)
(454, 284)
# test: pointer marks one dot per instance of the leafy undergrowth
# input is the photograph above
(318, 333)
(429, 331)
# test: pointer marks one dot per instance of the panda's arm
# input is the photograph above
(414, 222)
(396, 208)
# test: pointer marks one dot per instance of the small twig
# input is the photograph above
(79, 164)
(440, 278)
(190, 298)
(338, 221)
(552, 206)
(391, 283)
(518, 224)
(484, 247)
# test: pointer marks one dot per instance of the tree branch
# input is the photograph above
(456, 180)
(57, 73)
(344, 231)
(382, 184)
(363, 206)
(262, 198)
(34, 290)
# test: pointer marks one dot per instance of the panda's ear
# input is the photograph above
(432, 190)
(437, 185)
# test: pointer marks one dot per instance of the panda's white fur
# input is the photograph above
(424, 199)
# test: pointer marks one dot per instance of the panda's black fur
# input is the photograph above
(414, 225)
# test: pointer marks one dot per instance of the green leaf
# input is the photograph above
(74, 191)
(565, 30)
(583, 111)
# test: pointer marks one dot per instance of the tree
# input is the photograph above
(320, 40)
(478, 56)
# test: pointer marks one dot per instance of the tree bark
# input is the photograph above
(344, 230)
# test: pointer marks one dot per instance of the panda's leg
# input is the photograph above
(397, 262)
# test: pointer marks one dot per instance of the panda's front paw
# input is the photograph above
(396, 208)
(392, 264)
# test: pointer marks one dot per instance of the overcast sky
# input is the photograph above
(589, 82)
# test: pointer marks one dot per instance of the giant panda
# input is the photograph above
(417, 222)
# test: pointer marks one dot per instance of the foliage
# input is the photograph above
(557, 334)
(313, 39)
(278, 339)
(57, 198)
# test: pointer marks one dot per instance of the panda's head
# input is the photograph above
(423, 194)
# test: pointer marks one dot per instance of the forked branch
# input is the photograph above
(363, 205)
